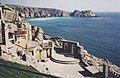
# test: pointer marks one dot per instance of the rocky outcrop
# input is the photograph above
(38, 12)
(30, 12)
(14, 51)
(87, 13)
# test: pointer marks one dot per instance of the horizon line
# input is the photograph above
(54, 8)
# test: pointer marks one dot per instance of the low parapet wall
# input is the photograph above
(78, 51)
(64, 62)
(60, 58)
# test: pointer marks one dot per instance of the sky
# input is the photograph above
(70, 5)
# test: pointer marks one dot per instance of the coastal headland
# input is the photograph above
(35, 12)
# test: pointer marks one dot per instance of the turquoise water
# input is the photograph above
(100, 36)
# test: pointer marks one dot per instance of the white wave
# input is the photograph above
(42, 19)
(99, 18)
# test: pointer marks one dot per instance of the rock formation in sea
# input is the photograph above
(29, 12)
(87, 13)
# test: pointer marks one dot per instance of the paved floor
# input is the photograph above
(60, 70)
(64, 70)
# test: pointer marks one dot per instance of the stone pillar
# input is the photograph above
(79, 52)
(1, 31)
(63, 43)
(72, 48)
(1, 16)
(0, 53)
(105, 69)
(52, 49)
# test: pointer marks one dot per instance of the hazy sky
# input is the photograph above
(70, 5)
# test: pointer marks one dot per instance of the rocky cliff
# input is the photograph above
(38, 12)
(13, 53)
(29, 12)
(87, 13)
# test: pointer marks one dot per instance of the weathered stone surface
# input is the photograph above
(87, 13)
(39, 12)
(9, 49)
(49, 12)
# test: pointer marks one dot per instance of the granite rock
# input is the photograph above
(38, 12)
(87, 13)
(31, 12)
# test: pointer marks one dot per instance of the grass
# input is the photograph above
(14, 70)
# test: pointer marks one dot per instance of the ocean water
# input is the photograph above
(100, 35)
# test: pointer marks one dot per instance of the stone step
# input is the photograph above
(59, 58)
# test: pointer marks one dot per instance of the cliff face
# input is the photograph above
(87, 13)
(38, 12)
(49, 12)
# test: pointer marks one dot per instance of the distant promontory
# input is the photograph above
(34, 12)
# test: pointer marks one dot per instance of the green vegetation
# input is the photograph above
(14, 70)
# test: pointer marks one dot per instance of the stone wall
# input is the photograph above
(84, 56)
(71, 47)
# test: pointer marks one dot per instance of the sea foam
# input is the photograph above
(43, 19)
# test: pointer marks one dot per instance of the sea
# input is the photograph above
(99, 35)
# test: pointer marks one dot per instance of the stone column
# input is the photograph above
(1, 53)
(52, 49)
(79, 52)
(63, 43)
(105, 69)
(1, 15)
(72, 48)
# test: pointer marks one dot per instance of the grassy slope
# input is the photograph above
(14, 70)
